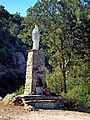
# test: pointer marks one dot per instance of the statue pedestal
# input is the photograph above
(35, 70)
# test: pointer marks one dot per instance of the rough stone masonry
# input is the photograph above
(35, 69)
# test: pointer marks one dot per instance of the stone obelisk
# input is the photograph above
(35, 65)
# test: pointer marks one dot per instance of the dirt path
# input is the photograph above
(18, 113)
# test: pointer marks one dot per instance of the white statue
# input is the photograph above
(36, 38)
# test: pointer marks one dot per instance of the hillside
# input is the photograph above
(12, 54)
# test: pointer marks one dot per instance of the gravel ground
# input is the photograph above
(8, 112)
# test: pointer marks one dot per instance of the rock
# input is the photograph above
(8, 98)
(16, 101)
(21, 62)
(12, 99)
(16, 66)
(1, 98)
(29, 108)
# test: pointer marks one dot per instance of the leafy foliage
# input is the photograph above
(76, 98)
(20, 91)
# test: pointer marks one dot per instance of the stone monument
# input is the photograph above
(36, 78)
(35, 72)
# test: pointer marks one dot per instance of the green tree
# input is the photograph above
(64, 33)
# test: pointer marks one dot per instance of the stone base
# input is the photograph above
(35, 71)
(42, 101)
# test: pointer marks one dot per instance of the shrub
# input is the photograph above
(21, 90)
(54, 80)
(75, 98)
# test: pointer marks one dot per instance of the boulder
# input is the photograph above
(8, 98)
(29, 108)
(1, 98)
(12, 99)
(20, 64)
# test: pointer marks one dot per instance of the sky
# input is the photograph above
(20, 6)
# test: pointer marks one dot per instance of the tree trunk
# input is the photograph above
(63, 63)
(64, 81)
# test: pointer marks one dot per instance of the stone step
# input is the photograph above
(39, 101)
(38, 97)
(43, 104)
